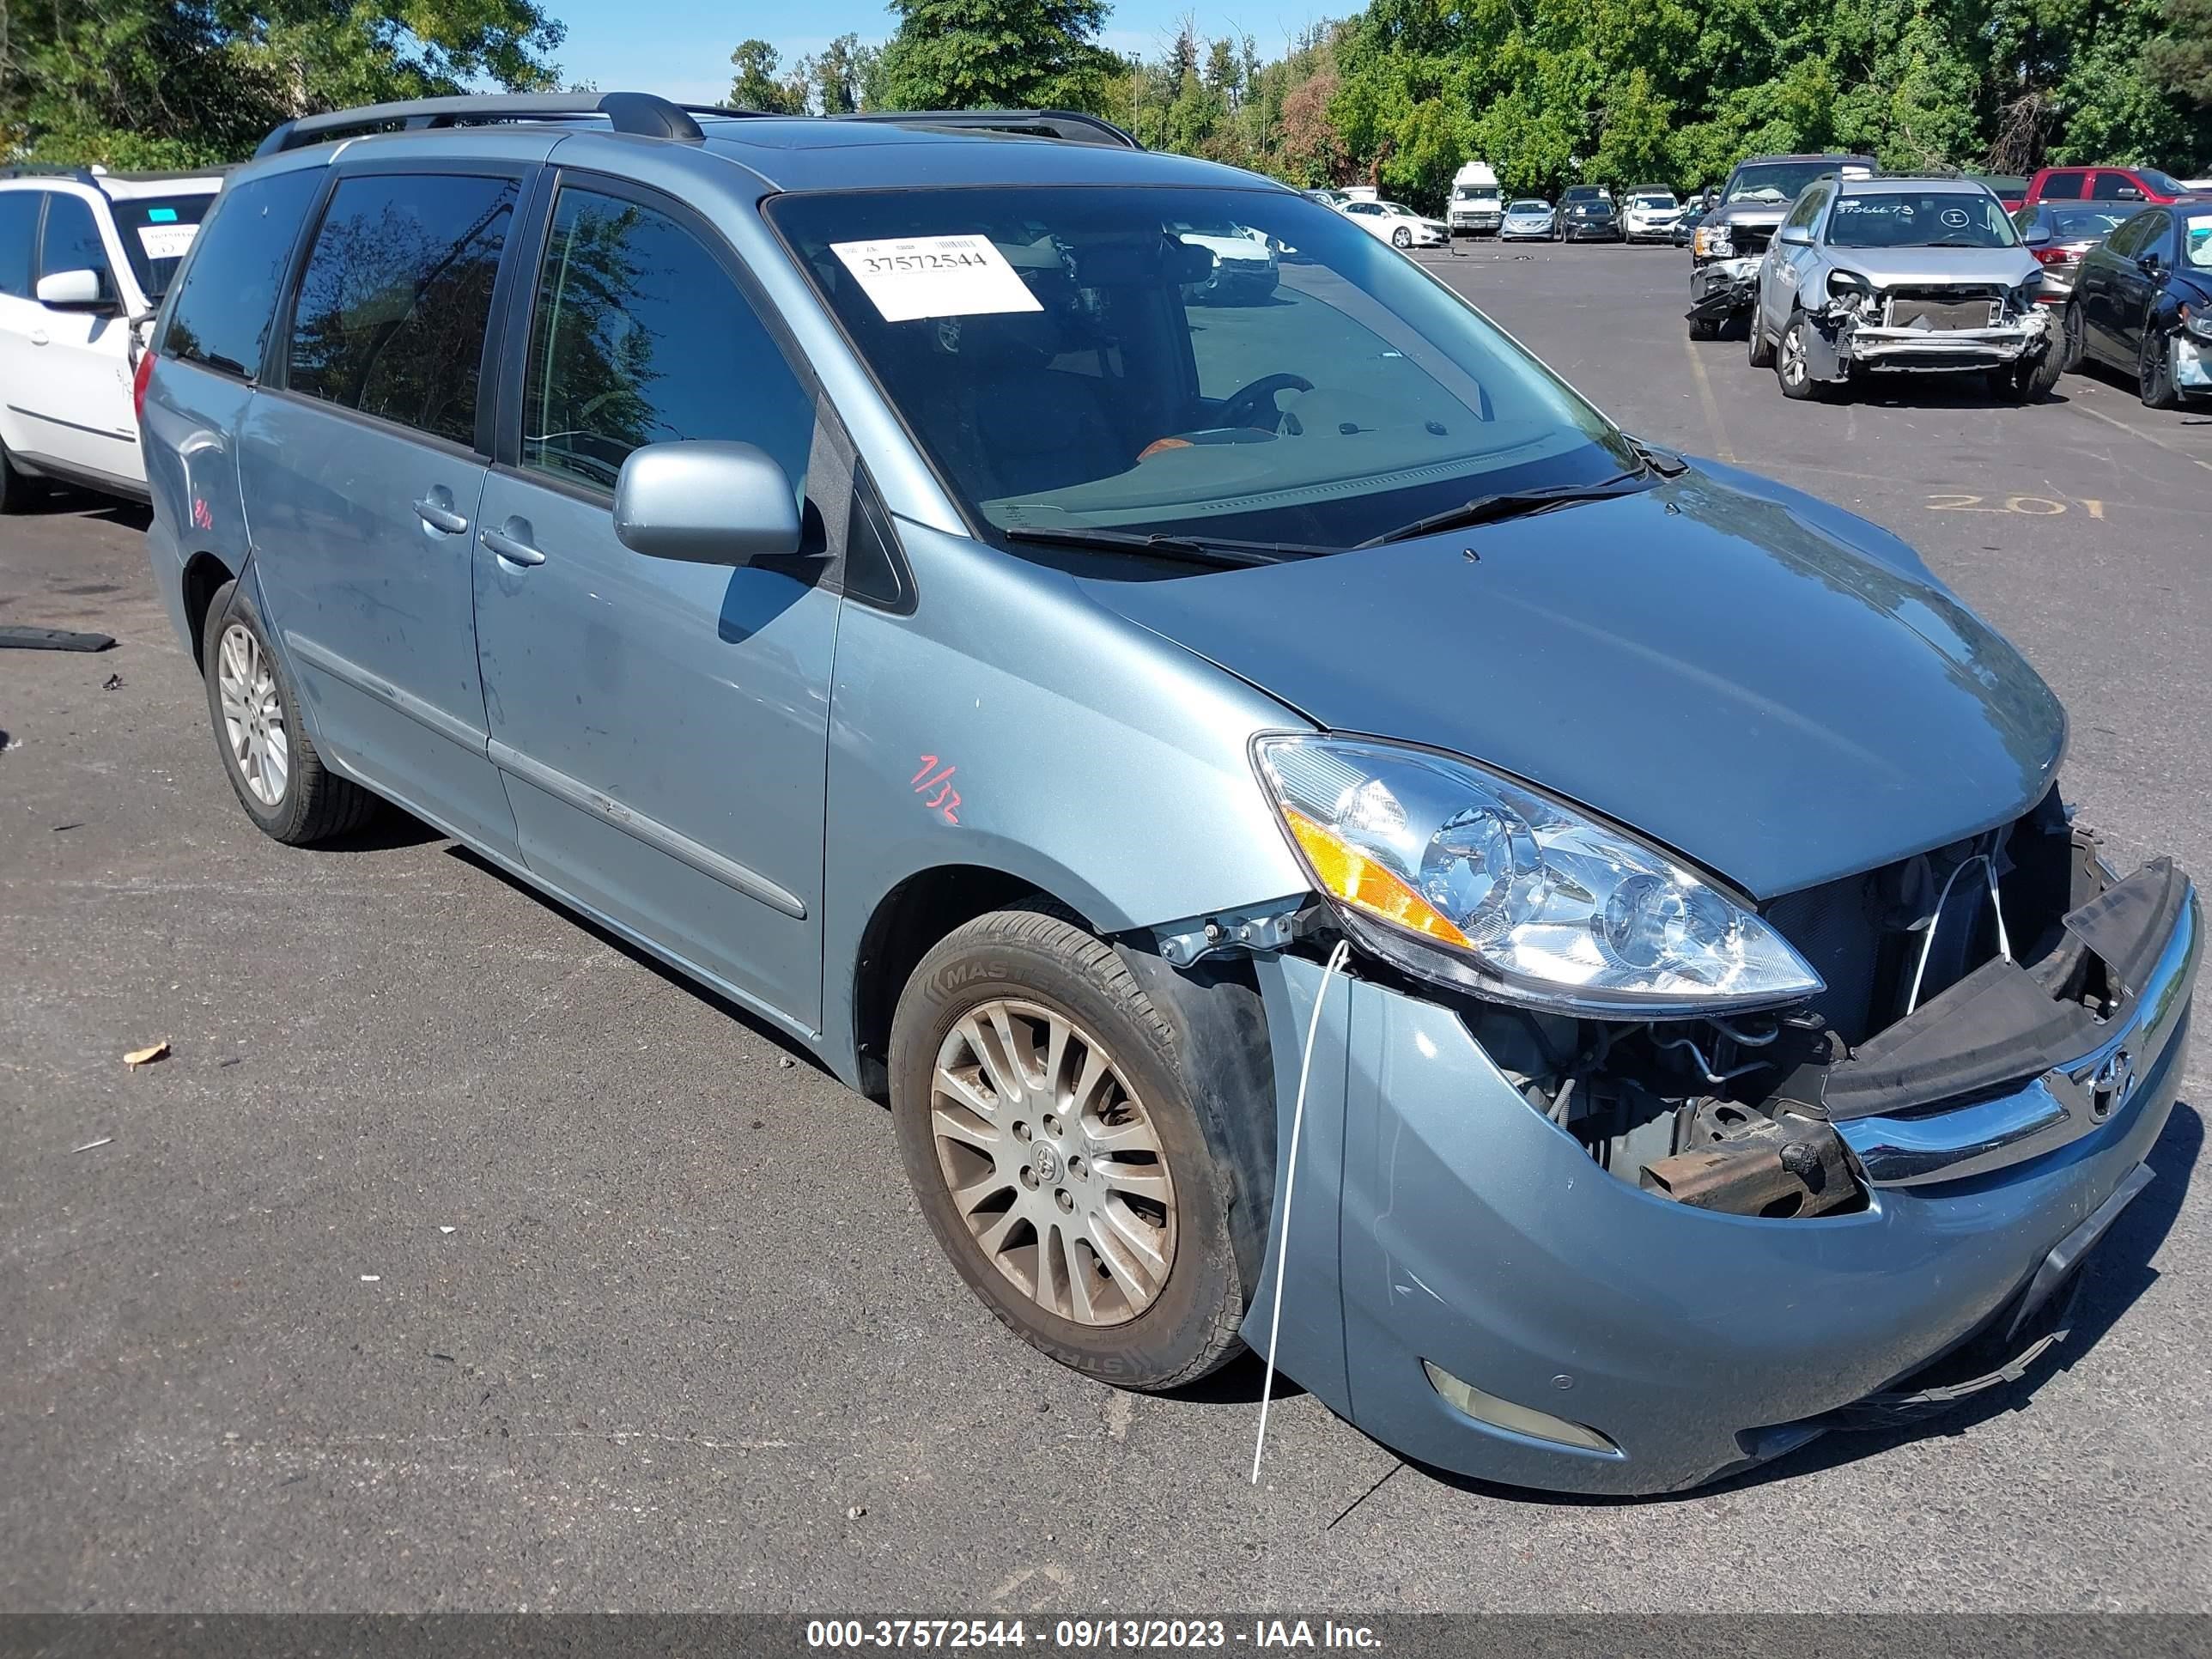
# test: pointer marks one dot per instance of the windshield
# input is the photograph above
(155, 231)
(1475, 193)
(1775, 182)
(2197, 240)
(2164, 183)
(1651, 199)
(1064, 361)
(1924, 218)
(1530, 207)
(2083, 224)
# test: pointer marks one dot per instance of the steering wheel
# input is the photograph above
(1255, 406)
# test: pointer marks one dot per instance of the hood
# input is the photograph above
(1747, 212)
(1889, 267)
(1773, 687)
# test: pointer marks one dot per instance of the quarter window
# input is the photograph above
(72, 241)
(396, 297)
(221, 316)
(19, 224)
(638, 336)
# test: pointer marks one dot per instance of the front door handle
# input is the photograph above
(513, 549)
(38, 337)
(440, 518)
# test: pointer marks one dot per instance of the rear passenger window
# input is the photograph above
(2063, 187)
(19, 223)
(395, 299)
(72, 241)
(221, 316)
(639, 336)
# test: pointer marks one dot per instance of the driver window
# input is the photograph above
(640, 336)
(72, 241)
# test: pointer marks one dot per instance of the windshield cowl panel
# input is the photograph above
(1225, 365)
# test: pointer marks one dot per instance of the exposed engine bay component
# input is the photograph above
(1956, 325)
(1748, 1163)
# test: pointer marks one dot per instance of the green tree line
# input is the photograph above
(1550, 91)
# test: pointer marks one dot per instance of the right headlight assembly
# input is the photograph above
(1458, 875)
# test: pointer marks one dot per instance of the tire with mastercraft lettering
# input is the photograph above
(1048, 1131)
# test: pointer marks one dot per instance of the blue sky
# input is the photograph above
(681, 48)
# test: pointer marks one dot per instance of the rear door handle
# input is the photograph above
(440, 518)
(509, 547)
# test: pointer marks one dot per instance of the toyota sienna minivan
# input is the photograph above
(1131, 736)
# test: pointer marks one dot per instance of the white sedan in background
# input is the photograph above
(1398, 225)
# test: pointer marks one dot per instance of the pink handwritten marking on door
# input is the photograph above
(947, 799)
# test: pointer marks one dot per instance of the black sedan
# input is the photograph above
(1693, 216)
(2143, 303)
(1587, 215)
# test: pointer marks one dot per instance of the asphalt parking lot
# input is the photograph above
(457, 1257)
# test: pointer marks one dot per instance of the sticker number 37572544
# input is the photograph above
(909, 277)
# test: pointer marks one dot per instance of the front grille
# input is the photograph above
(1938, 316)
(1750, 239)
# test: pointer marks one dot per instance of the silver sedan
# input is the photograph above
(1528, 220)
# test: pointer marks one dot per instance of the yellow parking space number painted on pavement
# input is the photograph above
(2033, 506)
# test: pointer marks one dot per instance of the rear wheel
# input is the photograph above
(273, 768)
(17, 491)
(2155, 371)
(1048, 1131)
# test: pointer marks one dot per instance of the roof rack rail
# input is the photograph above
(642, 113)
(1068, 126)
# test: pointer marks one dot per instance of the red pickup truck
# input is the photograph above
(2104, 184)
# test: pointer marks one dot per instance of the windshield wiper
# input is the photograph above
(1208, 550)
(1507, 504)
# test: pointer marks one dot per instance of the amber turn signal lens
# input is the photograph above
(1350, 875)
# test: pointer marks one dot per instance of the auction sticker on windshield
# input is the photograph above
(916, 277)
(166, 241)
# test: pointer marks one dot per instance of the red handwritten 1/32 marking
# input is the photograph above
(946, 799)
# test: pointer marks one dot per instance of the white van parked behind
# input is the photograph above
(85, 256)
(1475, 208)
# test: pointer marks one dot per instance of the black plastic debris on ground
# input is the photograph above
(52, 639)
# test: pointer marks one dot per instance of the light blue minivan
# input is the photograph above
(1135, 736)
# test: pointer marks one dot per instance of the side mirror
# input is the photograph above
(2040, 237)
(75, 290)
(2148, 261)
(705, 501)
(1795, 235)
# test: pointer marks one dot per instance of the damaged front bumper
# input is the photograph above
(1724, 289)
(1845, 337)
(2192, 363)
(1467, 1287)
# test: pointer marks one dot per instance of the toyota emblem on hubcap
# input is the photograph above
(1046, 1163)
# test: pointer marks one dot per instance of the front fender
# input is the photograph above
(1011, 724)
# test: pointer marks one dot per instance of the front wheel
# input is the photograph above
(273, 766)
(1792, 366)
(1401, 238)
(1048, 1132)
(1704, 328)
(2072, 341)
(2155, 371)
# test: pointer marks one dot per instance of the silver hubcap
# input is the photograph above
(1793, 357)
(252, 714)
(1053, 1161)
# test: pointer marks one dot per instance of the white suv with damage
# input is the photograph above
(85, 256)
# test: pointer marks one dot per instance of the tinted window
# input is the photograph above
(19, 223)
(72, 241)
(221, 314)
(156, 231)
(396, 296)
(639, 336)
(2135, 235)
(2063, 187)
(2115, 187)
